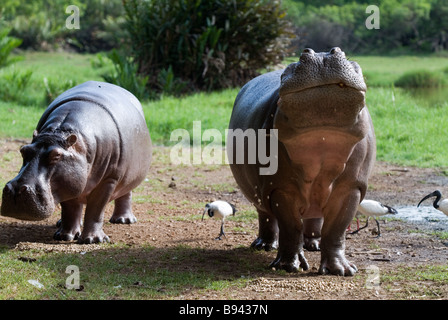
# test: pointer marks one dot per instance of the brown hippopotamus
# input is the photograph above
(91, 146)
(326, 151)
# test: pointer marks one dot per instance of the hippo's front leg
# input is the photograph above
(290, 251)
(69, 227)
(335, 224)
(93, 219)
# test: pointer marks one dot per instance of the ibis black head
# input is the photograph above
(391, 210)
(233, 208)
(208, 210)
(436, 194)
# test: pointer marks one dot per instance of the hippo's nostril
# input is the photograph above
(8, 189)
(308, 50)
(335, 50)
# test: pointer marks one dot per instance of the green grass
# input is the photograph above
(61, 65)
(421, 79)
(422, 282)
(407, 132)
(168, 114)
(118, 271)
(18, 121)
(381, 71)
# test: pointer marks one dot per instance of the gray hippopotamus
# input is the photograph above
(325, 152)
(91, 146)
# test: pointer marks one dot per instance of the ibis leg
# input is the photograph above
(221, 233)
(378, 225)
(356, 231)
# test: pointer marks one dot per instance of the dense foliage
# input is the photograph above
(405, 25)
(205, 44)
(415, 25)
(41, 24)
(7, 45)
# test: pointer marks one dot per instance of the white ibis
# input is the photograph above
(442, 206)
(372, 208)
(220, 210)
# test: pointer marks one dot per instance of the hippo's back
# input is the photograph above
(256, 103)
(119, 103)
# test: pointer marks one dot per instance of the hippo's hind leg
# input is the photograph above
(123, 210)
(69, 227)
(290, 252)
(267, 232)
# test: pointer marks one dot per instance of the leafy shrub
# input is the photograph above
(420, 79)
(54, 87)
(35, 31)
(7, 45)
(42, 24)
(125, 75)
(13, 86)
(207, 44)
(101, 26)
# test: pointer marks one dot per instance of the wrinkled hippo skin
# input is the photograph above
(91, 146)
(326, 150)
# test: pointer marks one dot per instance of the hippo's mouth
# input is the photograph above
(30, 206)
(341, 85)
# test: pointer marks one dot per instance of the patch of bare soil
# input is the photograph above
(169, 206)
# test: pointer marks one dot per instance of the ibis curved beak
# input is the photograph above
(433, 194)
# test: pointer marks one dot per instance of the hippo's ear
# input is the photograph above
(71, 140)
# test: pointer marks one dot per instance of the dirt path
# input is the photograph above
(169, 204)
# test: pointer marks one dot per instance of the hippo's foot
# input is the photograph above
(126, 218)
(311, 243)
(66, 235)
(291, 264)
(123, 210)
(261, 243)
(93, 237)
(336, 264)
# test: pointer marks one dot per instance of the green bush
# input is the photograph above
(54, 87)
(205, 44)
(125, 75)
(14, 85)
(420, 79)
(42, 24)
(7, 45)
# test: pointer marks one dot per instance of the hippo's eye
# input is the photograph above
(27, 153)
(54, 156)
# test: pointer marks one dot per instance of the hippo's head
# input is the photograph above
(49, 175)
(321, 89)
